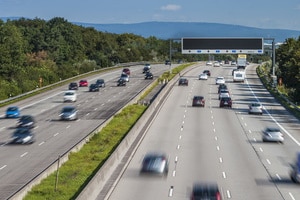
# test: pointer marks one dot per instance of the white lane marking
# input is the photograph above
(183, 116)
(268, 161)
(213, 123)
(95, 109)
(214, 130)
(249, 131)
(2, 128)
(279, 178)
(87, 114)
(293, 198)
(261, 149)
(212, 117)
(216, 138)
(221, 160)
(218, 148)
(228, 194)
(180, 137)
(24, 154)
(224, 174)
(254, 139)
(68, 126)
(176, 159)
(245, 124)
(178, 146)
(171, 191)
(182, 122)
(41, 143)
(174, 173)
(55, 134)
(3, 167)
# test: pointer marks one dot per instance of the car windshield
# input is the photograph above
(69, 93)
(68, 109)
(12, 109)
(255, 105)
(272, 130)
(100, 81)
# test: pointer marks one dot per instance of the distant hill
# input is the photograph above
(167, 30)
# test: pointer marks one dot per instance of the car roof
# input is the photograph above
(200, 189)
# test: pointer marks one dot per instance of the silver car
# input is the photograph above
(68, 113)
(255, 108)
(155, 164)
(271, 134)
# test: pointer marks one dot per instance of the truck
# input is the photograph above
(239, 76)
(241, 61)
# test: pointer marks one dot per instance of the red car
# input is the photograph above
(198, 101)
(83, 83)
(126, 71)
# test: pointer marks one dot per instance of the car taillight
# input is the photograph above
(218, 196)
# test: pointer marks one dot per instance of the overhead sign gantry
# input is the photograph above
(222, 45)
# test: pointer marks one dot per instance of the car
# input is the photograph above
(83, 83)
(205, 191)
(121, 82)
(100, 82)
(295, 169)
(203, 76)
(217, 64)
(12, 112)
(198, 101)
(206, 72)
(22, 136)
(167, 62)
(68, 113)
(225, 102)
(232, 73)
(73, 86)
(209, 63)
(226, 62)
(223, 93)
(26, 121)
(126, 71)
(183, 81)
(155, 164)
(255, 108)
(272, 134)
(221, 86)
(233, 62)
(125, 77)
(146, 68)
(70, 96)
(220, 80)
(148, 75)
(94, 87)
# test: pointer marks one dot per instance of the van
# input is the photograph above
(295, 171)
(238, 76)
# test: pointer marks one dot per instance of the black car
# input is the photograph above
(23, 136)
(148, 75)
(225, 102)
(146, 68)
(26, 121)
(207, 72)
(73, 86)
(156, 164)
(222, 87)
(207, 191)
(94, 87)
(167, 62)
(100, 82)
(198, 101)
(183, 81)
(121, 82)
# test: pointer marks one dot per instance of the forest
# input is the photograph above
(32, 50)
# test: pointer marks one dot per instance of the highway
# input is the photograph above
(215, 144)
(21, 163)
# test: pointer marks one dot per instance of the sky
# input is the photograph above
(269, 14)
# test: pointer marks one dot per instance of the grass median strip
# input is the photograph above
(76, 172)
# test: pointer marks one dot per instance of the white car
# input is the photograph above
(220, 80)
(209, 63)
(223, 93)
(70, 96)
(271, 134)
(255, 108)
(203, 76)
(217, 64)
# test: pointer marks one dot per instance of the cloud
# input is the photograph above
(171, 7)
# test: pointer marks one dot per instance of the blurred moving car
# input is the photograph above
(126, 71)
(121, 82)
(83, 83)
(125, 77)
(226, 102)
(198, 101)
(295, 169)
(167, 62)
(73, 86)
(217, 64)
(94, 87)
(12, 112)
(155, 163)
(26, 121)
(148, 75)
(146, 68)
(206, 72)
(209, 63)
(70, 96)
(220, 80)
(22, 136)
(68, 113)
(255, 108)
(203, 76)
(100, 82)
(183, 81)
(233, 62)
(272, 134)
(206, 191)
